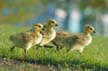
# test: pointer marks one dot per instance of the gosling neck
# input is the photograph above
(50, 27)
(87, 33)
(36, 30)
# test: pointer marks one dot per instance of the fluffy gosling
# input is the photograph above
(75, 41)
(27, 39)
(49, 32)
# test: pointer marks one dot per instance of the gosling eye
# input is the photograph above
(90, 28)
(52, 21)
(39, 26)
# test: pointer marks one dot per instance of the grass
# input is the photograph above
(94, 58)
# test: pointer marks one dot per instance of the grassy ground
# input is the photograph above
(94, 58)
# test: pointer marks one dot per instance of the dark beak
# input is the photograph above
(41, 32)
(43, 29)
(56, 25)
(94, 31)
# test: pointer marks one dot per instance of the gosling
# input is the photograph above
(75, 41)
(26, 40)
(49, 32)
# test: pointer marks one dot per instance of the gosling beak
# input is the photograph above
(94, 31)
(41, 32)
(56, 24)
(43, 28)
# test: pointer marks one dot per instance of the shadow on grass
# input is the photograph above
(71, 63)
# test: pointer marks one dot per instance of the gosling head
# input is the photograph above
(37, 27)
(52, 22)
(89, 29)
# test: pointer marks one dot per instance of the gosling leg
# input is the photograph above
(12, 48)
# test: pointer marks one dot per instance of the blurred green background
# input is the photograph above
(71, 15)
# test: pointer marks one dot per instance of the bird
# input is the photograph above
(75, 41)
(27, 39)
(49, 33)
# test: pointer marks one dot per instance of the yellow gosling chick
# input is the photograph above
(27, 39)
(60, 36)
(76, 41)
(49, 32)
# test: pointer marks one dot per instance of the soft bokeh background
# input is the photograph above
(71, 15)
